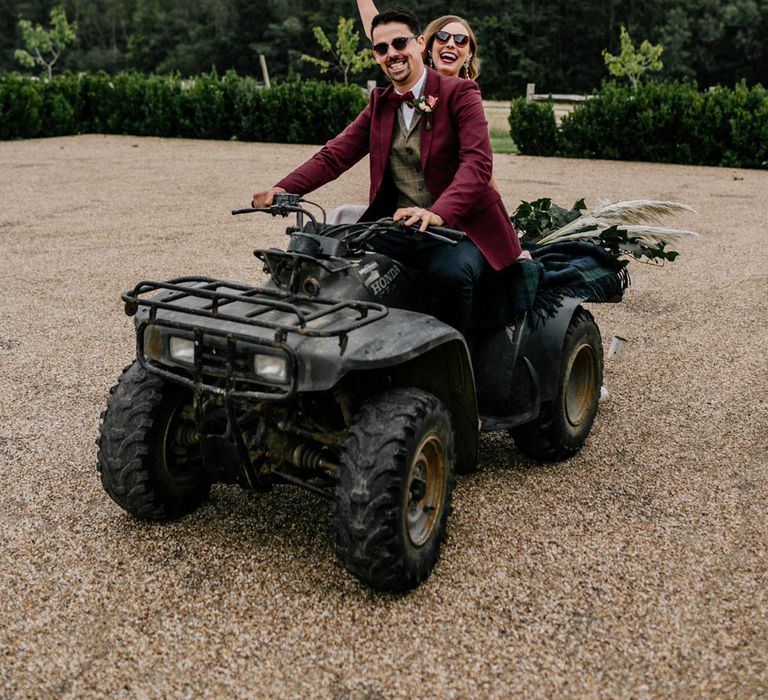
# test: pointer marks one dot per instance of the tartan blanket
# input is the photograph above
(570, 269)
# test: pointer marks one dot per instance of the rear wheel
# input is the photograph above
(564, 424)
(393, 494)
(149, 453)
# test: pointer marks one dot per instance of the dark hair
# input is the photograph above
(400, 16)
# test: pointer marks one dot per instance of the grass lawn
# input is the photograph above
(502, 142)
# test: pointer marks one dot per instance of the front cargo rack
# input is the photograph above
(239, 308)
(262, 301)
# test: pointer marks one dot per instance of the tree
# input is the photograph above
(346, 54)
(633, 63)
(44, 47)
(556, 44)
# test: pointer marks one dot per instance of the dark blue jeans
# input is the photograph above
(452, 271)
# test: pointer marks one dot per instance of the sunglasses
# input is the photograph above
(398, 44)
(458, 39)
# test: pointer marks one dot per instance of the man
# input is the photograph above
(430, 163)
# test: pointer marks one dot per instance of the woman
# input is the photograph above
(451, 47)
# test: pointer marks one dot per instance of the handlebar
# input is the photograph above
(284, 203)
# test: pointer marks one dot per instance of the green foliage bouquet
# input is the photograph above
(628, 228)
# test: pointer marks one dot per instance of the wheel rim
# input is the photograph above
(180, 448)
(581, 384)
(425, 490)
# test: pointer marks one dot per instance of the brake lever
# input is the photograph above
(457, 235)
(436, 232)
(281, 209)
(438, 237)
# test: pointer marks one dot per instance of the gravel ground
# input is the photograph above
(635, 569)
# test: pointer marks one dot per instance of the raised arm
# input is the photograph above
(367, 12)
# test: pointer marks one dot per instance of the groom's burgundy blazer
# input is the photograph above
(456, 160)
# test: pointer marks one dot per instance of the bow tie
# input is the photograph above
(396, 100)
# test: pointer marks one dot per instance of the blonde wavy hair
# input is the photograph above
(435, 26)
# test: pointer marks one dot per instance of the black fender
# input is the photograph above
(417, 350)
(542, 346)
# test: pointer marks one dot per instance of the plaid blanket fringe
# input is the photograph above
(572, 269)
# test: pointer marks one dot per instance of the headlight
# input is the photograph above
(273, 368)
(182, 350)
(153, 344)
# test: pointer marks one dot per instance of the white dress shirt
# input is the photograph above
(416, 90)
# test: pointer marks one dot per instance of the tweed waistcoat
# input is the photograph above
(405, 165)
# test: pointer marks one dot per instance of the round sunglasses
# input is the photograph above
(398, 44)
(458, 39)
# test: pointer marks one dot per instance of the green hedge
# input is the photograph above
(533, 127)
(664, 122)
(207, 107)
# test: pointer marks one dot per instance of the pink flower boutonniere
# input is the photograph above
(426, 105)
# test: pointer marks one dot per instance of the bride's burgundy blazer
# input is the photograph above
(456, 160)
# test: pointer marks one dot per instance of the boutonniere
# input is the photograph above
(426, 105)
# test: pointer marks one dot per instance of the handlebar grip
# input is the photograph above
(247, 210)
(279, 201)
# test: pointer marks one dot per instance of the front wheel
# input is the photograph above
(393, 493)
(149, 452)
(564, 424)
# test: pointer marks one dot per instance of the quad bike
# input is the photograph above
(332, 376)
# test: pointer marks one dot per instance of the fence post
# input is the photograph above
(264, 72)
(530, 89)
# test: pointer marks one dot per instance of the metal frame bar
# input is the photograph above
(264, 299)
